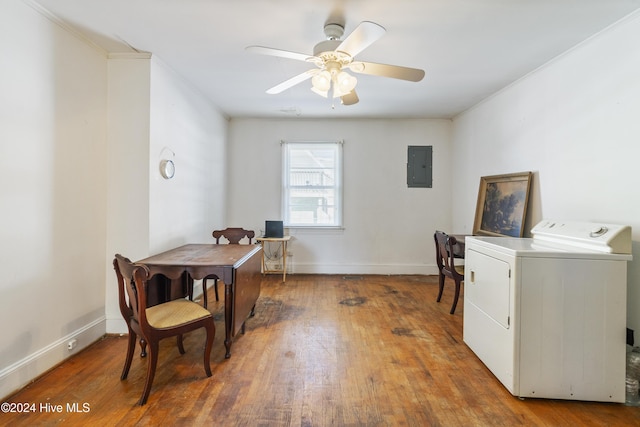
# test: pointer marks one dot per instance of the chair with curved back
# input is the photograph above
(233, 235)
(447, 267)
(152, 324)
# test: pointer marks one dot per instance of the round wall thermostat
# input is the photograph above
(167, 169)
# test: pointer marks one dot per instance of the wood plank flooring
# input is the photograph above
(322, 350)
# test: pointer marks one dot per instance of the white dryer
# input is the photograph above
(547, 315)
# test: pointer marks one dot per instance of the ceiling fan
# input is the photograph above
(333, 56)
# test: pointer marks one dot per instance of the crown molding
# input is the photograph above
(64, 25)
(129, 55)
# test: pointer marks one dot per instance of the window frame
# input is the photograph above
(336, 188)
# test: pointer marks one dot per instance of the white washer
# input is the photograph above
(547, 315)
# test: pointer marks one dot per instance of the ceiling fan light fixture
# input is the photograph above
(323, 93)
(321, 81)
(344, 83)
(358, 67)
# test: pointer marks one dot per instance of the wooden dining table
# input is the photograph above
(238, 266)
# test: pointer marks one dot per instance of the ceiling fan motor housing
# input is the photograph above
(333, 31)
(325, 46)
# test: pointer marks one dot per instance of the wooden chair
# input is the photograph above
(446, 265)
(173, 318)
(233, 235)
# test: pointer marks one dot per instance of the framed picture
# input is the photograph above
(502, 205)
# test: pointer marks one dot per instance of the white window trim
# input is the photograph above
(338, 220)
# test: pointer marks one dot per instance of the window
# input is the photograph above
(312, 184)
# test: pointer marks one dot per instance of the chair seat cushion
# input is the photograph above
(460, 269)
(174, 313)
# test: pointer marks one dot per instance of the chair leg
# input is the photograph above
(211, 332)
(440, 286)
(143, 347)
(131, 347)
(455, 298)
(151, 372)
(180, 345)
(215, 286)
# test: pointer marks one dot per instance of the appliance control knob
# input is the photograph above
(598, 231)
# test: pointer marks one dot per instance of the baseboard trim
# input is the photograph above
(19, 374)
(310, 268)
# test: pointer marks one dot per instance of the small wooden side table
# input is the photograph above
(283, 245)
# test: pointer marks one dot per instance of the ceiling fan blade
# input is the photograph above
(362, 37)
(350, 98)
(393, 71)
(279, 52)
(292, 81)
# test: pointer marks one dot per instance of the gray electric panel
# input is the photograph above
(420, 166)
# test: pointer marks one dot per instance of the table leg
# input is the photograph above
(228, 318)
(264, 263)
(284, 261)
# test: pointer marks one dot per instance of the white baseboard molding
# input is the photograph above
(117, 325)
(19, 374)
(310, 268)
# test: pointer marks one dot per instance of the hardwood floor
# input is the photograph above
(321, 351)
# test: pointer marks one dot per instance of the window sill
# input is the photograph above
(312, 229)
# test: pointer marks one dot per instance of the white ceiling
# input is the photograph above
(469, 48)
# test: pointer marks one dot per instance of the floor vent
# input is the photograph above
(352, 277)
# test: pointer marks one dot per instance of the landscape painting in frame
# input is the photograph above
(502, 205)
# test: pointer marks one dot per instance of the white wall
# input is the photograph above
(81, 139)
(129, 173)
(155, 115)
(388, 228)
(52, 186)
(575, 123)
(188, 129)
